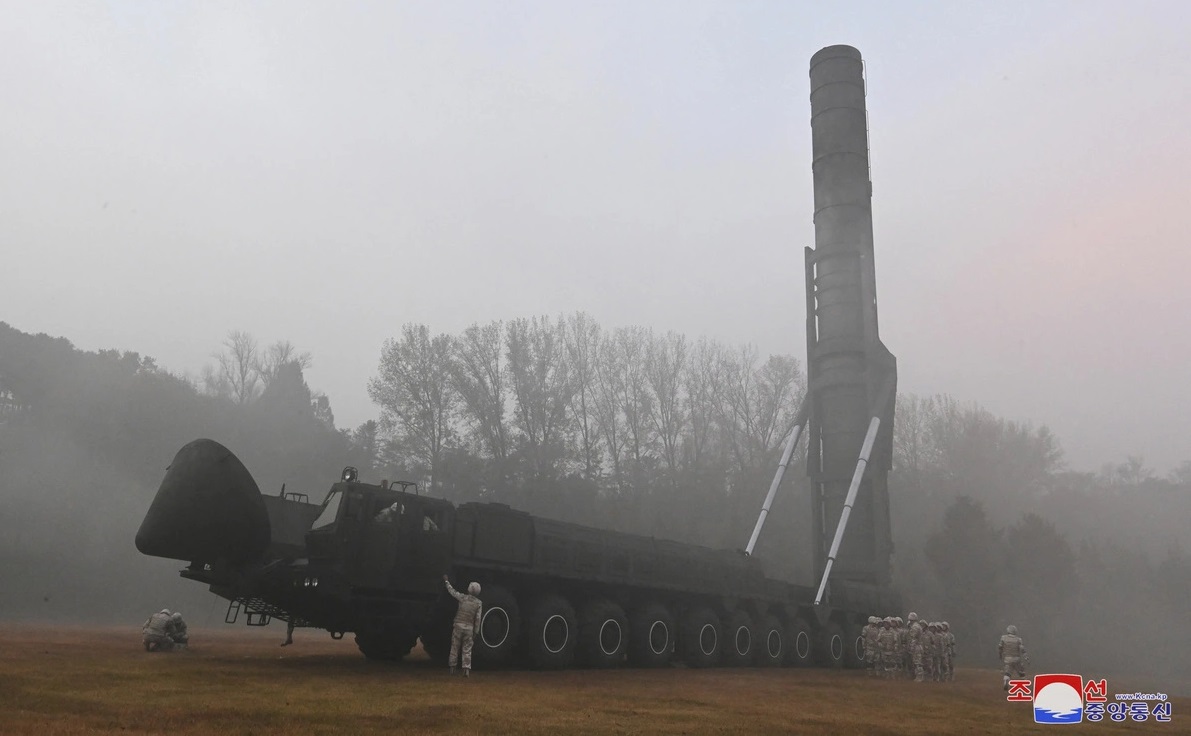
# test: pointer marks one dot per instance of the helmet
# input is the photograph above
(1011, 629)
(177, 616)
(897, 619)
(473, 588)
(946, 625)
(166, 611)
(873, 619)
(913, 616)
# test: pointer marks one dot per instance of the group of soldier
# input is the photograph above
(919, 649)
(164, 632)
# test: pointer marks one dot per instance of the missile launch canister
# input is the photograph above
(852, 376)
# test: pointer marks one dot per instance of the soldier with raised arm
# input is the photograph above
(467, 623)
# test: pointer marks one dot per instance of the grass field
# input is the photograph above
(100, 680)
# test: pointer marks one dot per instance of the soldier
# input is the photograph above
(177, 631)
(1012, 652)
(390, 513)
(929, 642)
(155, 632)
(914, 646)
(948, 653)
(467, 623)
(940, 649)
(871, 631)
(900, 630)
(887, 645)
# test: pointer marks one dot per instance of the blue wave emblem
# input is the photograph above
(1042, 715)
(1058, 701)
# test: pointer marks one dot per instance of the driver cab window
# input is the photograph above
(390, 514)
(330, 510)
(431, 520)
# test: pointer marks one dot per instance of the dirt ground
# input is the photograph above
(64, 680)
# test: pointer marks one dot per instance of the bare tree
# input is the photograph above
(278, 354)
(414, 390)
(664, 364)
(912, 448)
(635, 398)
(582, 337)
(704, 389)
(478, 376)
(542, 385)
(758, 404)
(238, 376)
(609, 373)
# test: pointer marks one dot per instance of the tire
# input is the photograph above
(651, 636)
(772, 644)
(802, 644)
(550, 633)
(436, 630)
(500, 624)
(603, 634)
(832, 646)
(385, 646)
(853, 647)
(740, 641)
(436, 642)
(701, 638)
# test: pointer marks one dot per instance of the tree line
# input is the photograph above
(619, 428)
(648, 432)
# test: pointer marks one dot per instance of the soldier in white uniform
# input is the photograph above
(155, 634)
(870, 633)
(177, 631)
(948, 653)
(467, 623)
(1012, 651)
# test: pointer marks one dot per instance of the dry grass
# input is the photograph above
(86, 680)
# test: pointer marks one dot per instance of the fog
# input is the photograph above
(326, 174)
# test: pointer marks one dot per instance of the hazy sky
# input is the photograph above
(324, 173)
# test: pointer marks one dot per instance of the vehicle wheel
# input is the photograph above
(385, 645)
(853, 647)
(802, 649)
(772, 643)
(550, 633)
(436, 642)
(739, 641)
(700, 638)
(832, 646)
(651, 636)
(436, 630)
(603, 634)
(499, 624)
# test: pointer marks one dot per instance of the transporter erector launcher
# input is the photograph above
(370, 557)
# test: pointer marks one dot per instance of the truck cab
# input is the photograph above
(381, 539)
